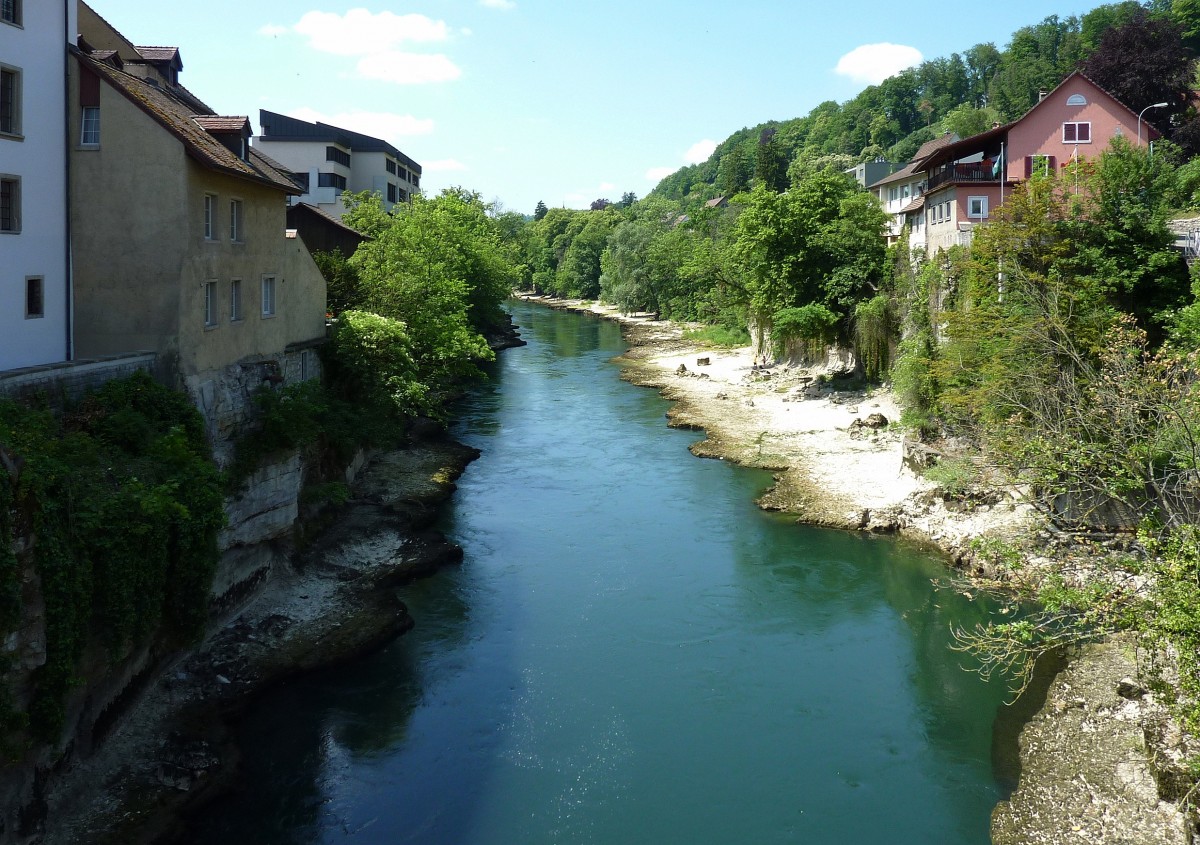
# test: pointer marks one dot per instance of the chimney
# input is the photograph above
(1042, 95)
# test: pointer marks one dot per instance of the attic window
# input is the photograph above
(1077, 100)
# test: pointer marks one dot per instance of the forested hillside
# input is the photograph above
(964, 93)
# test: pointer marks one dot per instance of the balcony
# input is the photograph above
(974, 173)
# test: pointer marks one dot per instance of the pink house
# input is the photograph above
(963, 184)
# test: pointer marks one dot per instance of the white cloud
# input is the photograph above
(699, 152)
(607, 186)
(873, 63)
(443, 165)
(385, 125)
(361, 33)
(498, 4)
(657, 174)
(273, 30)
(408, 68)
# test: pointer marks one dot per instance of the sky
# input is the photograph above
(559, 101)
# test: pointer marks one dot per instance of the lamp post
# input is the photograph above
(1142, 112)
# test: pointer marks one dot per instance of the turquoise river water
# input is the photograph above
(631, 653)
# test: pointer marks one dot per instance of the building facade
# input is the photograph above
(35, 266)
(328, 161)
(967, 181)
(180, 236)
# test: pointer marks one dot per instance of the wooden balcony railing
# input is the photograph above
(963, 173)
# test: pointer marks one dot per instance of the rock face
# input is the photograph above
(1086, 771)
(286, 612)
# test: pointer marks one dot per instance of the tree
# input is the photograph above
(627, 199)
(600, 204)
(1145, 61)
(438, 266)
(770, 165)
(539, 210)
(818, 244)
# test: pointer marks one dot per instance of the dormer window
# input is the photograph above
(232, 132)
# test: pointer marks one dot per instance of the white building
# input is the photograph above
(35, 266)
(328, 161)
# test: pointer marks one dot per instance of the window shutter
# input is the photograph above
(89, 88)
(1028, 166)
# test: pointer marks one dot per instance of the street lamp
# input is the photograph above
(1142, 112)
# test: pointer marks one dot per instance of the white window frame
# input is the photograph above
(14, 131)
(211, 317)
(982, 213)
(40, 281)
(269, 293)
(210, 217)
(1076, 124)
(15, 181)
(89, 127)
(235, 301)
(237, 224)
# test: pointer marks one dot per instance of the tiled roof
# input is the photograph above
(176, 114)
(914, 205)
(315, 209)
(158, 54)
(212, 123)
(910, 170)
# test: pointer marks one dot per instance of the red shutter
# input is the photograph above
(1028, 166)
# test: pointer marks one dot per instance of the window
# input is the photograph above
(268, 296)
(339, 156)
(391, 167)
(416, 180)
(892, 195)
(331, 180)
(210, 217)
(977, 207)
(1077, 100)
(1041, 165)
(1077, 132)
(235, 300)
(89, 134)
(210, 304)
(35, 297)
(10, 204)
(391, 196)
(10, 101)
(235, 221)
(10, 11)
(300, 179)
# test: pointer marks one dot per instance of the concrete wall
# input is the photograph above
(72, 379)
(36, 155)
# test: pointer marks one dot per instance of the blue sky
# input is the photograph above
(563, 101)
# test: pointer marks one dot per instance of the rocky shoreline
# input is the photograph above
(333, 601)
(1101, 760)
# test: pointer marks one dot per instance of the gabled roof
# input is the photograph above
(912, 169)
(161, 54)
(176, 114)
(983, 139)
(329, 218)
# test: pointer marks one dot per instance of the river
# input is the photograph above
(631, 652)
